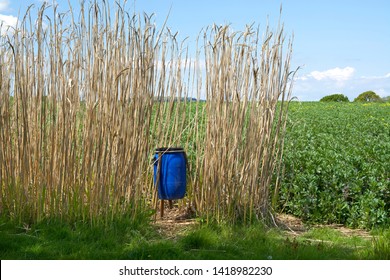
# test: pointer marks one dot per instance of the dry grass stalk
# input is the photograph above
(84, 104)
(244, 131)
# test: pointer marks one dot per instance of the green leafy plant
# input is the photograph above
(386, 99)
(337, 164)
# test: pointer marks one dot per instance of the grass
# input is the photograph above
(142, 241)
(57, 240)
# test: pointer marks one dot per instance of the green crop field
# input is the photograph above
(337, 163)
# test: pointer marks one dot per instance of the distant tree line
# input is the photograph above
(367, 96)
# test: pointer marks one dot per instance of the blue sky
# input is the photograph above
(342, 46)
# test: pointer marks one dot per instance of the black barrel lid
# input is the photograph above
(169, 150)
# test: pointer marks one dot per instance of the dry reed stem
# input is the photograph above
(84, 104)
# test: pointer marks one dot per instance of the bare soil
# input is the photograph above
(294, 226)
(177, 221)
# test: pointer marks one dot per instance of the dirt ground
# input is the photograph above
(294, 226)
(177, 221)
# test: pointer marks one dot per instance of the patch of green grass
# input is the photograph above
(128, 240)
(381, 246)
(333, 240)
(57, 240)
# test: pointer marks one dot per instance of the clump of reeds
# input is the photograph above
(247, 88)
(85, 99)
(77, 101)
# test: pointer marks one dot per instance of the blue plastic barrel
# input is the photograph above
(170, 173)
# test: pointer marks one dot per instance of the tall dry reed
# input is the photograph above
(247, 84)
(85, 99)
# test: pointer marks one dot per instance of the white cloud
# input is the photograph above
(303, 78)
(382, 92)
(335, 74)
(4, 5)
(6, 22)
(378, 84)
(308, 88)
(377, 77)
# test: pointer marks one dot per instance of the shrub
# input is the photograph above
(368, 96)
(335, 98)
(386, 99)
